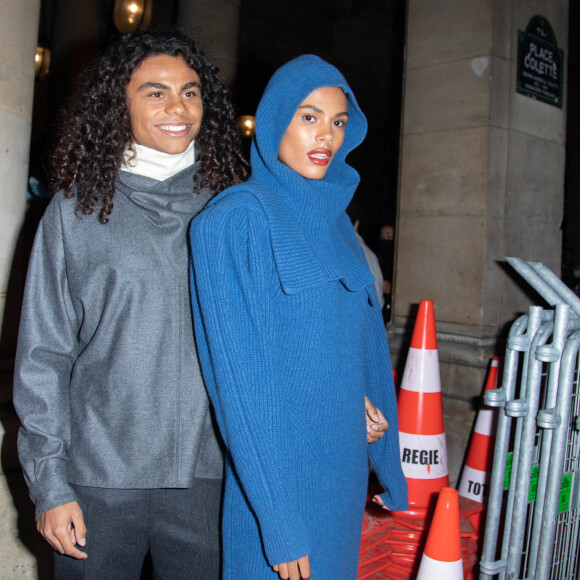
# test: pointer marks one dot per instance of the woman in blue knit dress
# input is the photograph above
(291, 339)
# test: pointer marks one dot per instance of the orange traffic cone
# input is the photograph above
(442, 559)
(476, 474)
(421, 429)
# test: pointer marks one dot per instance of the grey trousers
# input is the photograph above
(180, 528)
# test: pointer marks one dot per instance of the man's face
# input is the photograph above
(164, 101)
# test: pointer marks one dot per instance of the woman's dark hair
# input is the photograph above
(96, 129)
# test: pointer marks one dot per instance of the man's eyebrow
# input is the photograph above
(318, 110)
(191, 85)
(153, 85)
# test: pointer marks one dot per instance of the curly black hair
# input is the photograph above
(95, 129)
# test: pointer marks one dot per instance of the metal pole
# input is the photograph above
(568, 367)
(550, 354)
(535, 280)
(520, 338)
(529, 402)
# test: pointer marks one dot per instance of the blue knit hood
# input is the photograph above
(312, 238)
(288, 87)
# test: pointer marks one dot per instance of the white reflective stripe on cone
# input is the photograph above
(473, 484)
(435, 570)
(423, 456)
(485, 424)
(422, 371)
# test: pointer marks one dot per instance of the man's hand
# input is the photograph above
(63, 527)
(376, 422)
(295, 570)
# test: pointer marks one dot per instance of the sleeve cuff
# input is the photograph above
(51, 496)
(285, 540)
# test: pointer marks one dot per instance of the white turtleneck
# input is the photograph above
(156, 164)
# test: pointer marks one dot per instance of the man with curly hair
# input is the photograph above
(117, 440)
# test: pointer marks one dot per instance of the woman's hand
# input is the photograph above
(295, 570)
(376, 422)
(379, 501)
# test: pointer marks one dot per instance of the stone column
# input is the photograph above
(18, 34)
(482, 173)
(18, 37)
(214, 23)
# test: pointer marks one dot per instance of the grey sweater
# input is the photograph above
(107, 383)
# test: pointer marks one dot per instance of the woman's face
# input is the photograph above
(316, 133)
(164, 101)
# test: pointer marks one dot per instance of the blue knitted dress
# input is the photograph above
(290, 339)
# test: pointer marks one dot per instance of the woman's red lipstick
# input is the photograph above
(320, 156)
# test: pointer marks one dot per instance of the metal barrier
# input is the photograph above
(532, 531)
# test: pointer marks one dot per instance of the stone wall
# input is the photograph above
(482, 177)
